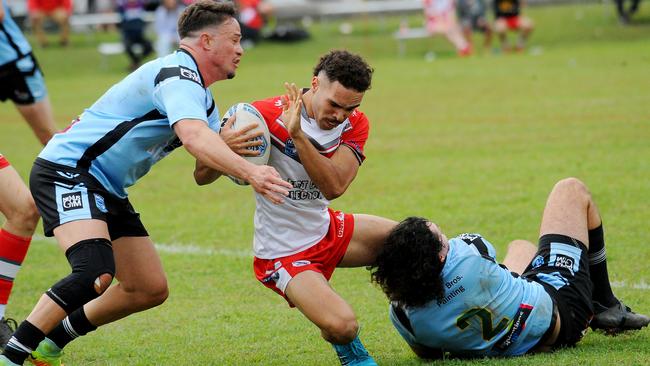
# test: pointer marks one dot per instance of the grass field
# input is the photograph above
(474, 144)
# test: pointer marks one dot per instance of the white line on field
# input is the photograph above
(181, 248)
(639, 286)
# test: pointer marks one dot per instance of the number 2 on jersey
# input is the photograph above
(486, 322)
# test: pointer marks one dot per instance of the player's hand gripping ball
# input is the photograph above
(245, 115)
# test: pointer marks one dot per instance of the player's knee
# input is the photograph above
(147, 293)
(574, 187)
(25, 218)
(341, 330)
(93, 268)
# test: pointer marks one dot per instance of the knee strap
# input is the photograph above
(93, 268)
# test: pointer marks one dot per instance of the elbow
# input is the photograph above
(200, 180)
(333, 193)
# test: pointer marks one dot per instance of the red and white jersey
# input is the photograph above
(302, 220)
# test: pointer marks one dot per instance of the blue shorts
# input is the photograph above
(63, 194)
(22, 81)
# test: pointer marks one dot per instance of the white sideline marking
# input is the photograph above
(639, 286)
(180, 248)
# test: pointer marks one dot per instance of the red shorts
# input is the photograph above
(512, 22)
(48, 6)
(323, 257)
(3, 162)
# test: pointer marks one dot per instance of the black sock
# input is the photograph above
(74, 325)
(602, 291)
(23, 342)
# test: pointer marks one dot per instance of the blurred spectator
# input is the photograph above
(166, 25)
(624, 15)
(57, 10)
(472, 17)
(440, 17)
(507, 14)
(132, 27)
(252, 18)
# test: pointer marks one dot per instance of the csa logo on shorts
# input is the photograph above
(538, 261)
(72, 201)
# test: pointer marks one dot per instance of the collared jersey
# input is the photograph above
(302, 220)
(13, 44)
(129, 128)
(485, 311)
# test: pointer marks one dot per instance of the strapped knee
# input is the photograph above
(93, 268)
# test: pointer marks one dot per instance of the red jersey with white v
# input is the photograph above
(302, 220)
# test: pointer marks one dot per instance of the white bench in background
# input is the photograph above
(404, 34)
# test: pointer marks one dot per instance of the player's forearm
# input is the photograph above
(207, 147)
(322, 171)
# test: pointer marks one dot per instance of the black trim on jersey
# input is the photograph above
(479, 244)
(354, 151)
(195, 63)
(403, 319)
(11, 41)
(182, 72)
(112, 137)
(211, 109)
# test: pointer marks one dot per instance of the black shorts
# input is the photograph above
(64, 194)
(562, 267)
(22, 81)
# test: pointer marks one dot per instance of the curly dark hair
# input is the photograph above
(408, 268)
(204, 13)
(349, 69)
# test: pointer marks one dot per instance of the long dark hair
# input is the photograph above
(408, 268)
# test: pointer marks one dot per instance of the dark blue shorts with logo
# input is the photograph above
(63, 194)
(561, 265)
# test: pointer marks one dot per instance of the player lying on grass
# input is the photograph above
(452, 296)
(318, 137)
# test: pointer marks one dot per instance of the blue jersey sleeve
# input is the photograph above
(179, 95)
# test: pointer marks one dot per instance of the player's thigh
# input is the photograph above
(14, 194)
(566, 210)
(369, 236)
(70, 233)
(500, 25)
(310, 292)
(137, 264)
(519, 255)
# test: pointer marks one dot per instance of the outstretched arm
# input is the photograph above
(206, 146)
(239, 141)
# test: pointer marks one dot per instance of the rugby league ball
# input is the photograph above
(246, 114)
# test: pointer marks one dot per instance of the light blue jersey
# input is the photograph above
(485, 311)
(13, 44)
(129, 128)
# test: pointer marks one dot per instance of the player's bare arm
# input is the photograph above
(207, 147)
(239, 141)
(332, 175)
